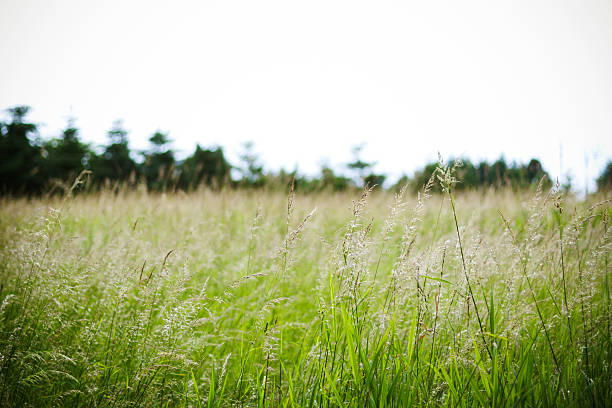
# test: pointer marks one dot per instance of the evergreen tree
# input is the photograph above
(497, 174)
(158, 162)
(604, 181)
(205, 166)
(115, 163)
(358, 166)
(421, 177)
(334, 182)
(467, 174)
(374, 180)
(364, 170)
(66, 156)
(20, 158)
(251, 168)
(535, 172)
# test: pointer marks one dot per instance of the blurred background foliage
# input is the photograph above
(30, 165)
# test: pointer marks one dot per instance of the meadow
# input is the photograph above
(268, 299)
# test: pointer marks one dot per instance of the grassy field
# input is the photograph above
(241, 298)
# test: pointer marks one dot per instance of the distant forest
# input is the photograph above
(30, 165)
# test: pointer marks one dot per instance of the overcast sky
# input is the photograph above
(307, 80)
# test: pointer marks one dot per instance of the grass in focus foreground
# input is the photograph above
(258, 299)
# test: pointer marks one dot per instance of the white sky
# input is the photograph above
(307, 80)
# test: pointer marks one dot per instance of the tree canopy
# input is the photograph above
(30, 165)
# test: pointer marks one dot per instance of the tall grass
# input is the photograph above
(256, 299)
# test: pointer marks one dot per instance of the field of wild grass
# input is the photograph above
(257, 299)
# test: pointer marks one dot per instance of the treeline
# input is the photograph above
(30, 165)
